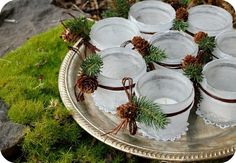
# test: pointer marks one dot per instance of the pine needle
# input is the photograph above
(194, 72)
(185, 2)
(155, 54)
(207, 44)
(81, 26)
(120, 8)
(92, 65)
(150, 113)
(180, 25)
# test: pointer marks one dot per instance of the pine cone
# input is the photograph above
(141, 45)
(87, 84)
(174, 3)
(182, 14)
(189, 59)
(199, 36)
(127, 110)
(68, 36)
(131, 2)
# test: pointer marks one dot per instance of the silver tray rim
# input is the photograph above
(113, 141)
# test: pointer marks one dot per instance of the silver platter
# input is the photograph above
(201, 142)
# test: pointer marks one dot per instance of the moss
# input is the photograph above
(29, 85)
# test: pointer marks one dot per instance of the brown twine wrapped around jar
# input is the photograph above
(128, 111)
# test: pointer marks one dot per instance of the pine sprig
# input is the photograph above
(120, 8)
(109, 13)
(194, 72)
(150, 113)
(155, 54)
(92, 65)
(80, 26)
(180, 25)
(207, 44)
(185, 2)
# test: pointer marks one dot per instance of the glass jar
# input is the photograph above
(112, 32)
(117, 64)
(176, 45)
(226, 45)
(210, 19)
(152, 16)
(218, 91)
(175, 95)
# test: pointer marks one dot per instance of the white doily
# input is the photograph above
(160, 135)
(108, 101)
(210, 117)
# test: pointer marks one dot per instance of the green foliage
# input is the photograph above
(109, 13)
(80, 26)
(207, 44)
(155, 55)
(29, 84)
(92, 65)
(150, 113)
(194, 72)
(185, 2)
(26, 112)
(180, 25)
(120, 9)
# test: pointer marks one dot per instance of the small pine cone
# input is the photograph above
(199, 36)
(189, 59)
(127, 110)
(132, 2)
(182, 14)
(68, 36)
(87, 84)
(141, 45)
(174, 3)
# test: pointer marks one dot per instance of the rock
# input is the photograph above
(10, 134)
(32, 16)
(3, 112)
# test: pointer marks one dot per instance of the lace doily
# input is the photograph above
(210, 118)
(108, 101)
(160, 135)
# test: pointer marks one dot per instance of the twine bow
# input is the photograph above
(128, 111)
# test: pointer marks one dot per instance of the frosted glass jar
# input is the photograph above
(152, 16)
(210, 19)
(226, 45)
(112, 32)
(117, 64)
(175, 94)
(218, 90)
(176, 45)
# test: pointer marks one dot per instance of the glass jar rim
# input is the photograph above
(111, 21)
(175, 32)
(208, 86)
(212, 8)
(152, 4)
(166, 72)
(218, 38)
(124, 51)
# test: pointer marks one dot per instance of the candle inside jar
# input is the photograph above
(165, 100)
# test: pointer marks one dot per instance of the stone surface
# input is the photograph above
(10, 134)
(3, 112)
(32, 17)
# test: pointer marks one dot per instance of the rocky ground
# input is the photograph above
(27, 18)
(19, 20)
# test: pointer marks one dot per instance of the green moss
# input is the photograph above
(29, 85)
